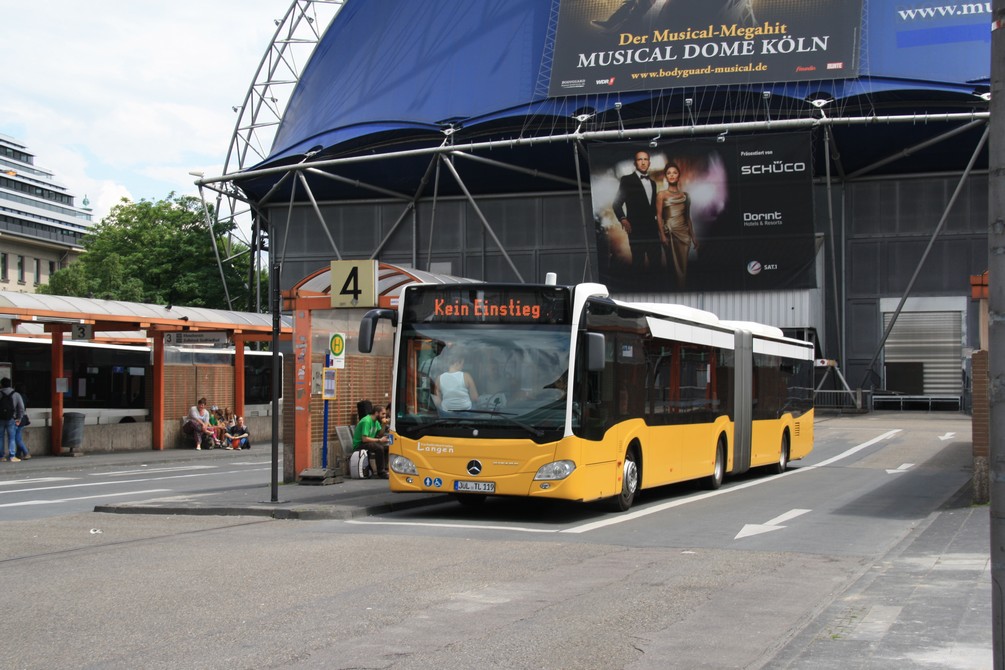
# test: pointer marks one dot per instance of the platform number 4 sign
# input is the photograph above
(354, 283)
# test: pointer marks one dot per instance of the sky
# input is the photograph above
(123, 98)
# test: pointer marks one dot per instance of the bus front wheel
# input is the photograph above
(629, 484)
(714, 480)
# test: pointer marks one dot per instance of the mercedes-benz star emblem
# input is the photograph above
(474, 468)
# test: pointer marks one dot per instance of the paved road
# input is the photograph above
(863, 557)
(42, 492)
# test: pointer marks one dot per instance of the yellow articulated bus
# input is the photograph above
(563, 392)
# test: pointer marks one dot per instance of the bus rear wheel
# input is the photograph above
(714, 480)
(629, 484)
(783, 456)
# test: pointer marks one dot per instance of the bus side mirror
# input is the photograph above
(368, 326)
(595, 352)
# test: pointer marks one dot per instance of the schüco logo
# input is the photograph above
(776, 167)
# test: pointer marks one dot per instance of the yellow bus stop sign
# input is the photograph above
(337, 346)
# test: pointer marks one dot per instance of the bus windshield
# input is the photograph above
(502, 379)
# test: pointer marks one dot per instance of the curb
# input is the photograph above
(300, 512)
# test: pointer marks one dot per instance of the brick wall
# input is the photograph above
(185, 384)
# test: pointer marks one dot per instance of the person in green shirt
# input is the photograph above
(367, 436)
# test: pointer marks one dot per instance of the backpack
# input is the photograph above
(359, 465)
(6, 406)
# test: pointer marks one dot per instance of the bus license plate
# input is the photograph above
(475, 487)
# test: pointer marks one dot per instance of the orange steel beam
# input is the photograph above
(301, 387)
(238, 375)
(157, 409)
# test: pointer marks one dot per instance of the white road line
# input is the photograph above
(26, 503)
(903, 468)
(147, 471)
(468, 526)
(631, 516)
(132, 481)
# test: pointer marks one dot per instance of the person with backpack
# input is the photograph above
(367, 437)
(11, 410)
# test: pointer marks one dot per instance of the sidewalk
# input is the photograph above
(351, 498)
(926, 604)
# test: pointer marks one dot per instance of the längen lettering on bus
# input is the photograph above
(435, 448)
(481, 307)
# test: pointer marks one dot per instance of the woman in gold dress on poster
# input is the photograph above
(673, 211)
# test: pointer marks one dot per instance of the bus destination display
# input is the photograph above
(489, 304)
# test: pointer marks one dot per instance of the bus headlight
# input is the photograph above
(403, 466)
(555, 470)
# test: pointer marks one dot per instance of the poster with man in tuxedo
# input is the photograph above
(635, 209)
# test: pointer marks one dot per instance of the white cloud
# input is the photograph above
(124, 98)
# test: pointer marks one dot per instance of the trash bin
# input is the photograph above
(73, 433)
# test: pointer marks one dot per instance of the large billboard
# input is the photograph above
(603, 46)
(919, 40)
(723, 214)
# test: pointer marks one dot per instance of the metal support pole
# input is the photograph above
(432, 214)
(415, 212)
(996, 329)
(830, 221)
(376, 252)
(582, 211)
(321, 218)
(216, 251)
(924, 256)
(277, 303)
(481, 216)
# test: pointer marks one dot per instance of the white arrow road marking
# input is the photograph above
(35, 480)
(947, 436)
(768, 526)
(903, 468)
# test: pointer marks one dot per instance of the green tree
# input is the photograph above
(158, 253)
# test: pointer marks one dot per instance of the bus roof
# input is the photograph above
(676, 311)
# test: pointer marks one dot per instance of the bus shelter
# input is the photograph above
(31, 315)
(317, 416)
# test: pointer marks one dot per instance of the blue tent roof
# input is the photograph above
(391, 74)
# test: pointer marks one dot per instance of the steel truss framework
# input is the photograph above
(262, 112)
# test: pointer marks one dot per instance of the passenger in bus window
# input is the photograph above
(455, 389)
